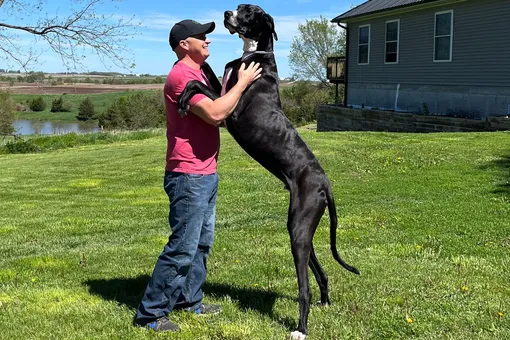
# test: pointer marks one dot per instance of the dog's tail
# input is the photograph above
(332, 231)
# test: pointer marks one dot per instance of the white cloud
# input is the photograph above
(286, 26)
(158, 21)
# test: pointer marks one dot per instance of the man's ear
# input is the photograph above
(270, 22)
(183, 44)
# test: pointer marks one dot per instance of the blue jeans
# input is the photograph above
(180, 271)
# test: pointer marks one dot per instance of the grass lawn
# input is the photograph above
(424, 217)
(101, 102)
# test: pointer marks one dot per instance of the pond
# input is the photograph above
(30, 127)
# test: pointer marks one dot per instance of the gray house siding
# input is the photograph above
(476, 81)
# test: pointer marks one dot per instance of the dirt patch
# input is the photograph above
(27, 88)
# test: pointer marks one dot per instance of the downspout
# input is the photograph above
(346, 60)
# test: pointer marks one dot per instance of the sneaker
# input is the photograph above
(206, 309)
(160, 325)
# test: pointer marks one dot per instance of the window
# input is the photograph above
(443, 36)
(364, 44)
(392, 41)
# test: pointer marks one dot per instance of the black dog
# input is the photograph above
(260, 127)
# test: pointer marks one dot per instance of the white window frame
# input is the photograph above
(435, 36)
(369, 34)
(386, 41)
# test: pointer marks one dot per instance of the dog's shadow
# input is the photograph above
(129, 292)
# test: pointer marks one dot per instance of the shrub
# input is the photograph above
(470, 114)
(300, 101)
(86, 110)
(425, 109)
(158, 80)
(20, 107)
(54, 142)
(134, 112)
(37, 104)
(21, 146)
(60, 105)
(7, 108)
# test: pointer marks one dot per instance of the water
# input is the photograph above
(30, 127)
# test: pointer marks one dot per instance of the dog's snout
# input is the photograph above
(228, 14)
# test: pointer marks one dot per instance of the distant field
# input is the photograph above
(100, 100)
(80, 88)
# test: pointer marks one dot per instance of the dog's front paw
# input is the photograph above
(297, 335)
(183, 111)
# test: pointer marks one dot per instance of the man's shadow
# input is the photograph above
(129, 292)
(502, 164)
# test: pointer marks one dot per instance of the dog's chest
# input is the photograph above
(226, 77)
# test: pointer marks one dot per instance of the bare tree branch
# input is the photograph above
(72, 37)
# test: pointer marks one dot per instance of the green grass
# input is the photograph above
(101, 102)
(424, 217)
(38, 143)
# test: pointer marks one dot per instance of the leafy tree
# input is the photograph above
(7, 108)
(71, 36)
(60, 105)
(34, 77)
(134, 112)
(37, 104)
(317, 40)
(86, 110)
(300, 101)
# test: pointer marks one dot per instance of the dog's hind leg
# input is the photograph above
(302, 223)
(320, 276)
(300, 245)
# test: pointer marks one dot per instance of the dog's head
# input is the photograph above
(250, 22)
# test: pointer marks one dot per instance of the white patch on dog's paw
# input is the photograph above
(319, 303)
(297, 335)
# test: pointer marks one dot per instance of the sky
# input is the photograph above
(150, 47)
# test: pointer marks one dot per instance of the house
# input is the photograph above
(437, 56)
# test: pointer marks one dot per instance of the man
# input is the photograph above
(190, 182)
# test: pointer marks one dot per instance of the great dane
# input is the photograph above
(260, 127)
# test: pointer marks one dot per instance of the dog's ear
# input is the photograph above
(270, 22)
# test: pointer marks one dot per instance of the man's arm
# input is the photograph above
(214, 112)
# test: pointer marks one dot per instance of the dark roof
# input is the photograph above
(374, 6)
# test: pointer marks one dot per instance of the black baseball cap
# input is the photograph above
(186, 28)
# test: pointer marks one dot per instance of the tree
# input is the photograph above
(86, 110)
(37, 104)
(82, 31)
(34, 77)
(61, 105)
(7, 108)
(317, 40)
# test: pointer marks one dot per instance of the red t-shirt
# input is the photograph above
(192, 144)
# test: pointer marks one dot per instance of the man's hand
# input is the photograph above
(215, 112)
(246, 76)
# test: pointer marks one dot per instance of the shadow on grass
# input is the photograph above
(503, 164)
(254, 299)
(129, 292)
(126, 291)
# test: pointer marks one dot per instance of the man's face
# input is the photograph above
(197, 46)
